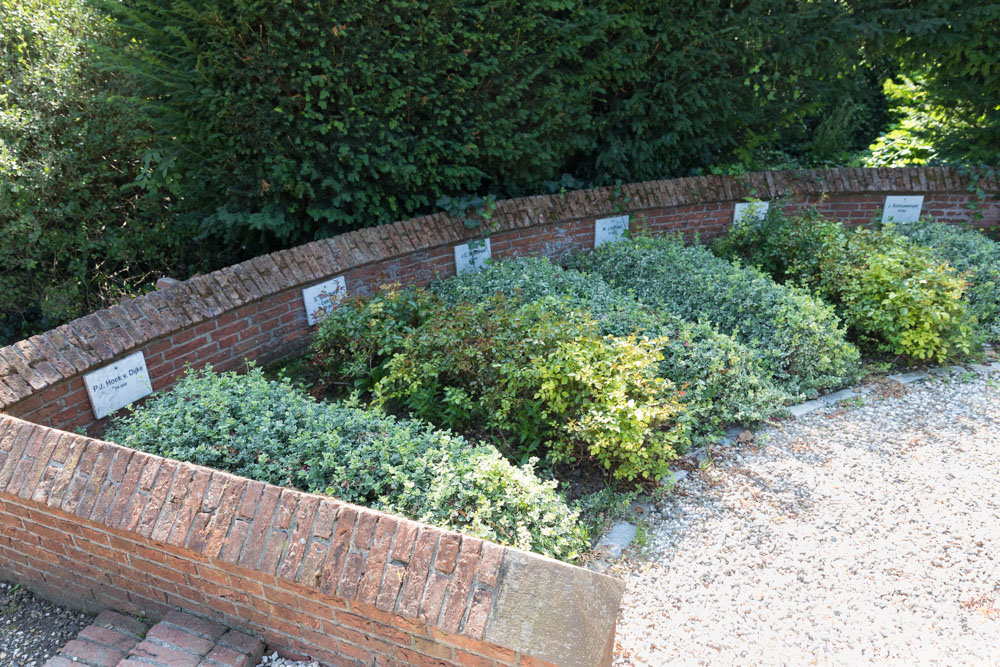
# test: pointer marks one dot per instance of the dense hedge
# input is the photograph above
(277, 122)
(895, 295)
(725, 381)
(74, 231)
(270, 431)
(800, 339)
(538, 377)
(976, 257)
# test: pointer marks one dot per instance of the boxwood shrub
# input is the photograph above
(895, 295)
(977, 257)
(270, 431)
(725, 381)
(799, 339)
(537, 376)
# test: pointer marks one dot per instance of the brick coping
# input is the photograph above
(32, 366)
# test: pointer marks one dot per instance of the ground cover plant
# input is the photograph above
(977, 257)
(537, 376)
(271, 431)
(799, 339)
(896, 296)
(724, 381)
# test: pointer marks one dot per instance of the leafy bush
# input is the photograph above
(279, 122)
(270, 431)
(897, 296)
(539, 375)
(76, 234)
(978, 259)
(893, 294)
(799, 339)
(724, 380)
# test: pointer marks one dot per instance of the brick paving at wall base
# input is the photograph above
(179, 640)
(101, 526)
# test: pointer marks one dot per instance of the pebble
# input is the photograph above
(32, 629)
(867, 535)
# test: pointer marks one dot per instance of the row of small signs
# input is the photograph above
(127, 380)
(898, 209)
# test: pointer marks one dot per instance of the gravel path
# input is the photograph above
(32, 629)
(853, 535)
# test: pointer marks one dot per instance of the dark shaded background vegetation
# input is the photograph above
(145, 137)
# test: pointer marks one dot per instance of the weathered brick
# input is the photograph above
(479, 610)
(392, 580)
(416, 573)
(433, 601)
(148, 651)
(488, 570)
(224, 514)
(90, 653)
(461, 584)
(297, 541)
(339, 547)
(447, 553)
(406, 536)
(185, 517)
(378, 555)
(261, 525)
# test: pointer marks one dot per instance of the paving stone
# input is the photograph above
(614, 543)
(838, 396)
(909, 378)
(805, 408)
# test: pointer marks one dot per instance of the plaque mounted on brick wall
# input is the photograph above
(114, 386)
(472, 256)
(751, 211)
(902, 208)
(610, 230)
(320, 299)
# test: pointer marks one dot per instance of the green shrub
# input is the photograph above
(897, 296)
(76, 235)
(279, 122)
(272, 432)
(977, 257)
(893, 294)
(539, 376)
(355, 340)
(799, 338)
(724, 380)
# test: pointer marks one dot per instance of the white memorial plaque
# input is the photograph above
(115, 386)
(750, 211)
(321, 299)
(472, 256)
(610, 230)
(905, 208)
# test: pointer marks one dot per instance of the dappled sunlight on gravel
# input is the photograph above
(862, 535)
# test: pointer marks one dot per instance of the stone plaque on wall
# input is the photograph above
(116, 385)
(750, 211)
(902, 208)
(610, 230)
(472, 256)
(321, 299)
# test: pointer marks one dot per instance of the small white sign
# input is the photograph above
(472, 256)
(115, 386)
(610, 230)
(321, 299)
(904, 208)
(753, 211)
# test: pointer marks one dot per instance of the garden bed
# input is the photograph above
(523, 402)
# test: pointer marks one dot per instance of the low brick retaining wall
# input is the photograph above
(94, 524)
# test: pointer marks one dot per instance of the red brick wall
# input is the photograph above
(100, 526)
(93, 547)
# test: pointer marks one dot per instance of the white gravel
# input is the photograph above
(274, 660)
(854, 535)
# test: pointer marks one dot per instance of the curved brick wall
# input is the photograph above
(96, 524)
